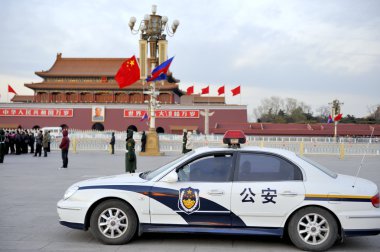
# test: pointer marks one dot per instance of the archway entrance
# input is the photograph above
(160, 130)
(98, 127)
(132, 127)
(36, 127)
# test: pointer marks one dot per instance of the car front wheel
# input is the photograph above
(313, 229)
(113, 222)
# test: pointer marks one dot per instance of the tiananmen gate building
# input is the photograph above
(81, 93)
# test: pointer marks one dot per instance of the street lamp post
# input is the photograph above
(335, 110)
(152, 31)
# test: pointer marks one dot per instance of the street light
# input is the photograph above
(153, 30)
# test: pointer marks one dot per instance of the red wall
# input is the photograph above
(115, 120)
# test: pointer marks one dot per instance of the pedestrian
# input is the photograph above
(184, 141)
(45, 143)
(49, 141)
(7, 142)
(2, 145)
(39, 139)
(12, 137)
(130, 155)
(18, 141)
(25, 141)
(189, 144)
(112, 143)
(64, 146)
(143, 141)
(31, 141)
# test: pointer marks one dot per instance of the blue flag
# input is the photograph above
(159, 73)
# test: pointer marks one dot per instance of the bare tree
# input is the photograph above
(323, 111)
(374, 111)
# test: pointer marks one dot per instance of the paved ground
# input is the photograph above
(30, 188)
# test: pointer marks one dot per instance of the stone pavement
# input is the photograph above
(30, 188)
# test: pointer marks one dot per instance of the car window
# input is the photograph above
(212, 168)
(151, 174)
(319, 166)
(266, 167)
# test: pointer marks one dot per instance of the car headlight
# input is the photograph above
(69, 192)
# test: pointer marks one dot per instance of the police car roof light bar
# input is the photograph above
(234, 138)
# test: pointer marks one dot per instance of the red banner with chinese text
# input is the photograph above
(35, 112)
(181, 114)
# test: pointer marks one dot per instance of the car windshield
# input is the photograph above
(151, 174)
(319, 166)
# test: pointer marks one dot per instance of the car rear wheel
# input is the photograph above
(313, 229)
(113, 222)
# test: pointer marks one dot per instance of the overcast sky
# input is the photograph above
(314, 51)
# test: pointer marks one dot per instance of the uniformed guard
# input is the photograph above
(143, 141)
(130, 155)
(2, 145)
(184, 141)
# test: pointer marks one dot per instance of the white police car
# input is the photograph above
(249, 191)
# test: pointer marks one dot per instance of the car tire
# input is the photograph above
(113, 222)
(313, 229)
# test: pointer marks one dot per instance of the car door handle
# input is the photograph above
(215, 192)
(289, 194)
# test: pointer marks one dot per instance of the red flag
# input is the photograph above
(128, 73)
(221, 90)
(206, 90)
(235, 91)
(190, 90)
(338, 117)
(11, 90)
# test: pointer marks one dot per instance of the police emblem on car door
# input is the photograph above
(188, 200)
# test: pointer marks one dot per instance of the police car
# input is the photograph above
(247, 191)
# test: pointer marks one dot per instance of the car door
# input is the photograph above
(266, 188)
(201, 196)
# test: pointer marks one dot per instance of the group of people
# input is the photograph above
(187, 141)
(20, 141)
(24, 141)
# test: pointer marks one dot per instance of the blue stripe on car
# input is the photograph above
(169, 197)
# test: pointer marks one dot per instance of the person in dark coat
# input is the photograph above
(31, 141)
(64, 146)
(143, 141)
(7, 142)
(39, 139)
(2, 145)
(112, 143)
(25, 141)
(184, 141)
(49, 141)
(45, 143)
(12, 140)
(18, 141)
(130, 155)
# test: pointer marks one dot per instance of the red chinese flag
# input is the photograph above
(206, 90)
(338, 117)
(11, 90)
(235, 91)
(221, 90)
(128, 73)
(190, 90)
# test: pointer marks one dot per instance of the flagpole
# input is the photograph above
(240, 94)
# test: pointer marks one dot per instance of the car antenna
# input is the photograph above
(364, 155)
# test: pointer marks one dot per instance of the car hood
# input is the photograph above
(130, 178)
(357, 186)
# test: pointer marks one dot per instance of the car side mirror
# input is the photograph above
(171, 177)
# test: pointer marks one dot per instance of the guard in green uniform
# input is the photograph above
(130, 155)
(2, 145)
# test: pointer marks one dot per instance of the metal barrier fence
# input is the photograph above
(173, 143)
